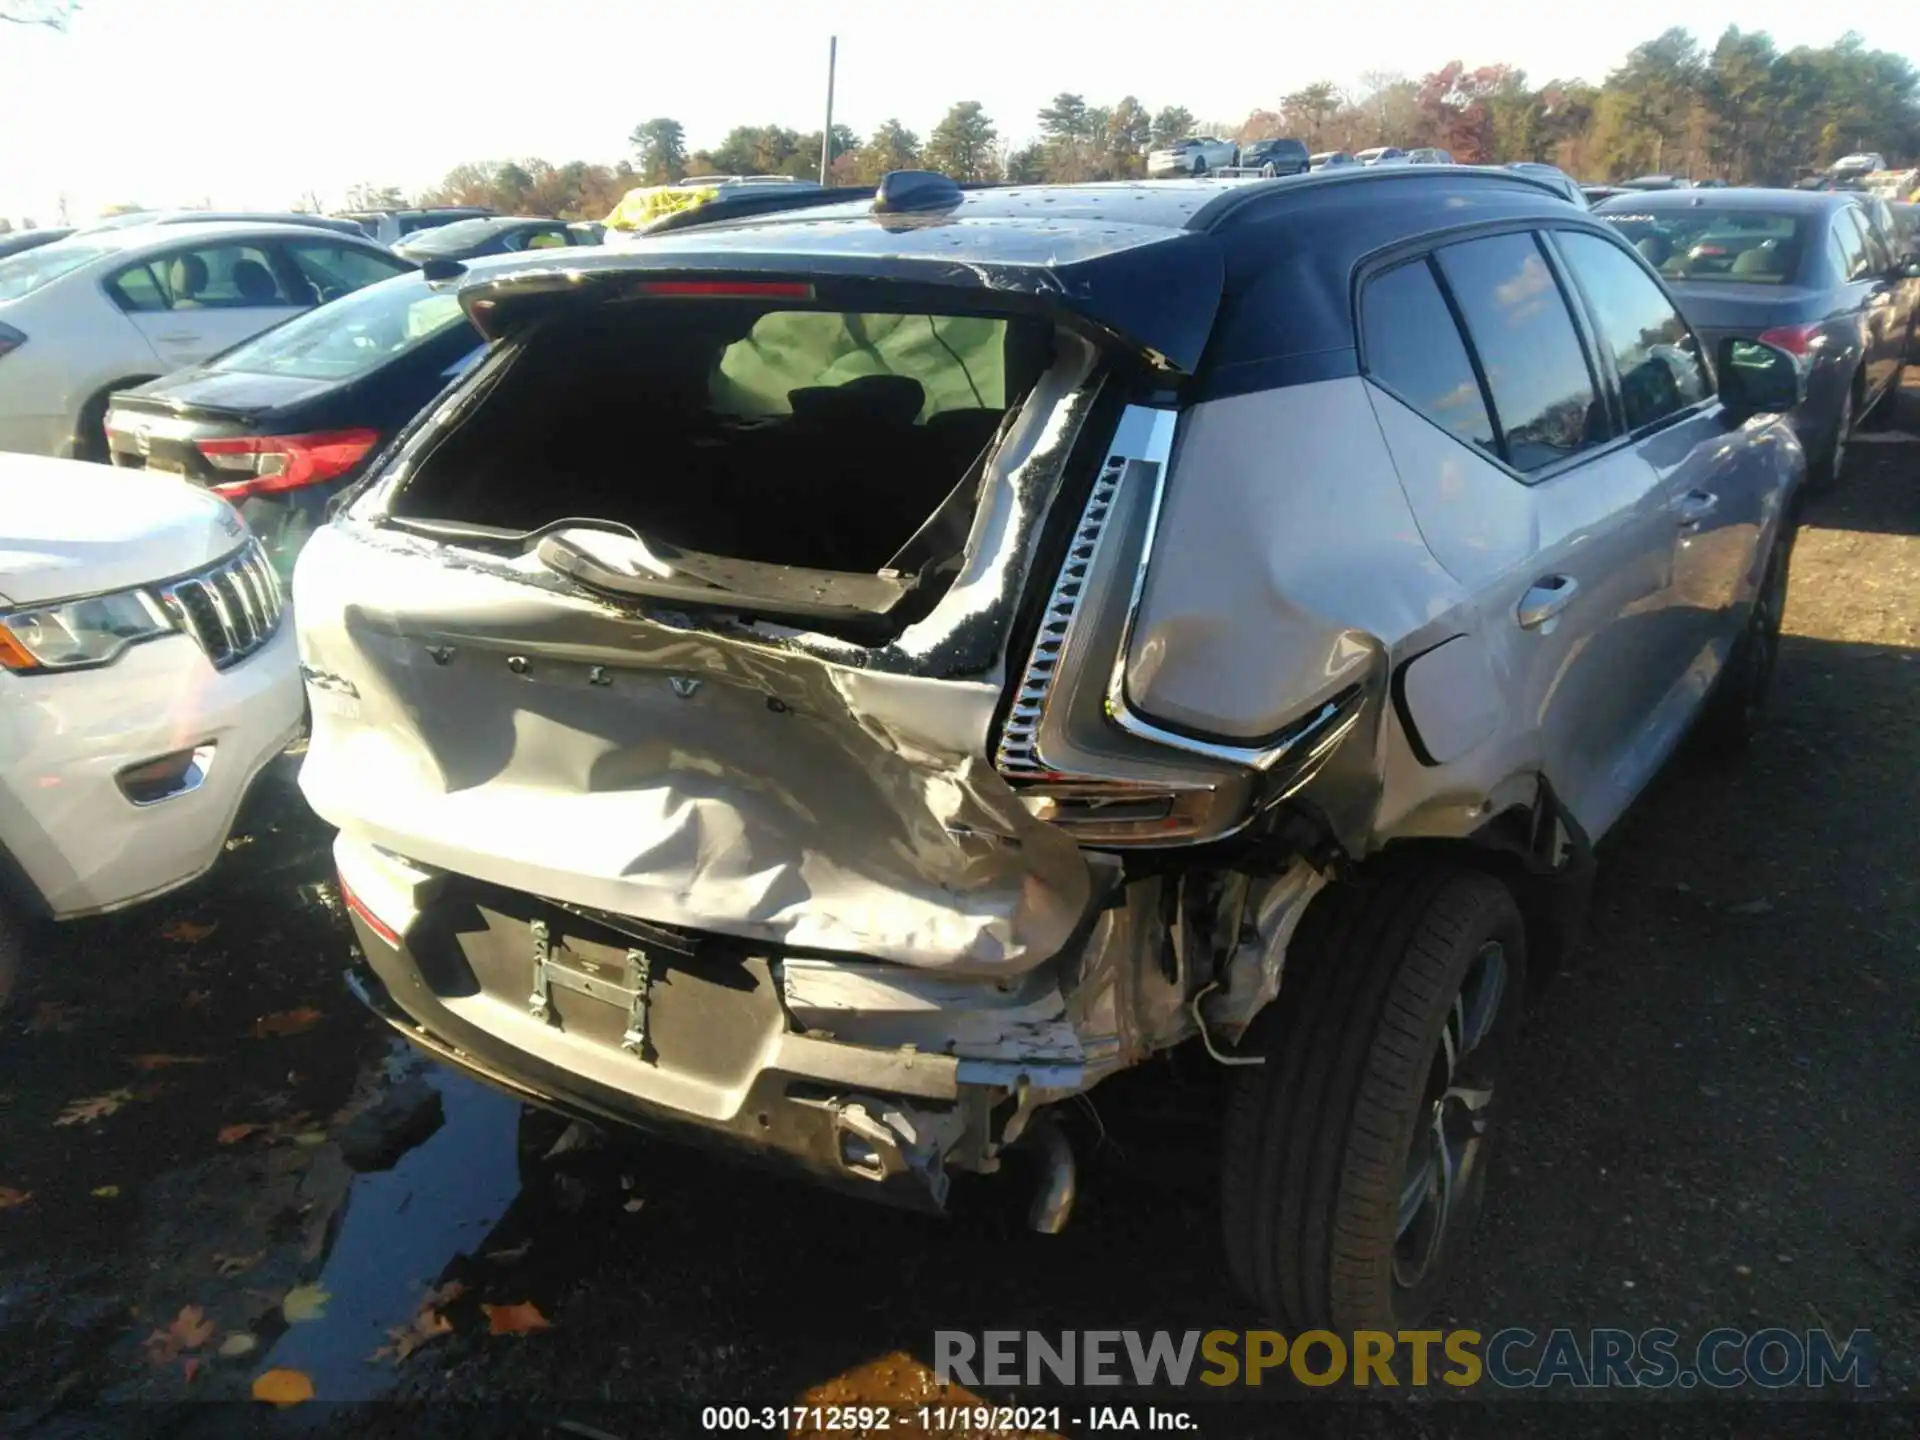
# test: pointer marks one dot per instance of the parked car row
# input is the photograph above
(1830, 276)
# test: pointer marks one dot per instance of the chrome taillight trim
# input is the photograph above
(230, 609)
(1018, 755)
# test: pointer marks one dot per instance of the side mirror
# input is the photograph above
(1759, 379)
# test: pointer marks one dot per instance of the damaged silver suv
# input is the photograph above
(841, 680)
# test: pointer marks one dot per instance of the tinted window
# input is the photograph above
(1519, 323)
(238, 276)
(1414, 349)
(1850, 247)
(334, 268)
(1654, 353)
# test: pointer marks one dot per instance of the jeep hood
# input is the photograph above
(71, 528)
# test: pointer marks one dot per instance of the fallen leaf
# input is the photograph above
(196, 999)
(10, 1197)
(234, 1134)
(237, 1344)
(310, 1138)
(50, 1015)
(507, 1257)
(228, 1266)
(160, 1062)
(85, 1112)
(304, 1302)
(106, 1192)
(186, 932)
(286, 1022)
(282, 1387)
(426, 1326)
(521, 1319)
(191, 1367)
(634, 1207)
(189, 1331)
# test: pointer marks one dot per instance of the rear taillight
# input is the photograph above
(285, 462)
(356, 906)
(10, 339)
(1794, 339)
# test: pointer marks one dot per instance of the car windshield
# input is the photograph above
(24, 273)
(1743, 247)
(459, 234)
(352, 335)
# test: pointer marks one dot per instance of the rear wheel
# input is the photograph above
(1199, 166)
(12, 946)
(1355, 1158)
(1736, 709)
(1831, 468)
(1267, 172)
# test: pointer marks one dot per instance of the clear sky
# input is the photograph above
(257, 102)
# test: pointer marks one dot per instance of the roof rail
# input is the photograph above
(741, 201)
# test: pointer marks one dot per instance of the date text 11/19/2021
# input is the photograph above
(937, 1419)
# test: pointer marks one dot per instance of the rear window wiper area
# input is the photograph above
(852, 605)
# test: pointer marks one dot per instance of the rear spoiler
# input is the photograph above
(1148, 290)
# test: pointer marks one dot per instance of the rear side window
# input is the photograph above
(1415, 350)
(1654, 353)
(1530, 352)
(1850, 246)
(334, 269)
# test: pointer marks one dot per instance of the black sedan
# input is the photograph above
(491, 235)
(282, 422)
(1812, 272)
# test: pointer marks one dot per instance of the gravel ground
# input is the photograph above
(1712, 1122)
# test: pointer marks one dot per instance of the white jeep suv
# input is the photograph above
(145, 680)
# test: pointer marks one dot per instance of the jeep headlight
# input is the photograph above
(77, 634)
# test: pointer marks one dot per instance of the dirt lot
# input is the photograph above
(1715, 1124)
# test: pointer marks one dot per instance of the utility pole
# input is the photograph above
(826, 135)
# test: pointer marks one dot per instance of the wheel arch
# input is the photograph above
(98, 398)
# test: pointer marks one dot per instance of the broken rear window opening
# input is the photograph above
(787, 437)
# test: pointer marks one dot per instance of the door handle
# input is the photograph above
(1549, 595)
(186, 339)
(1695, 506)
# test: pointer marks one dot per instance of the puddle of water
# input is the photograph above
(400, 1229)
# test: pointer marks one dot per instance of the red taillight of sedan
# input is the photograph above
(1794, 339)
(285, 462)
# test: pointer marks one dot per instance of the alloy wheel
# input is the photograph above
(1440, 1181)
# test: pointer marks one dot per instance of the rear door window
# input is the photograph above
(334, 269)
(1544, 395)
(236, 276)
(1654, 353)
(1414, 349)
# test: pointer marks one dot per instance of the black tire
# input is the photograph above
(1736, 710)
(13, 940)
(1320, 1141)
(1833, 463)
(1199, 166)
(90, 432)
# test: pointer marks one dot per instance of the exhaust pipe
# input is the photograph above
(1053, 1197)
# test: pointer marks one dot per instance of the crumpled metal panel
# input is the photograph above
(577, 750)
